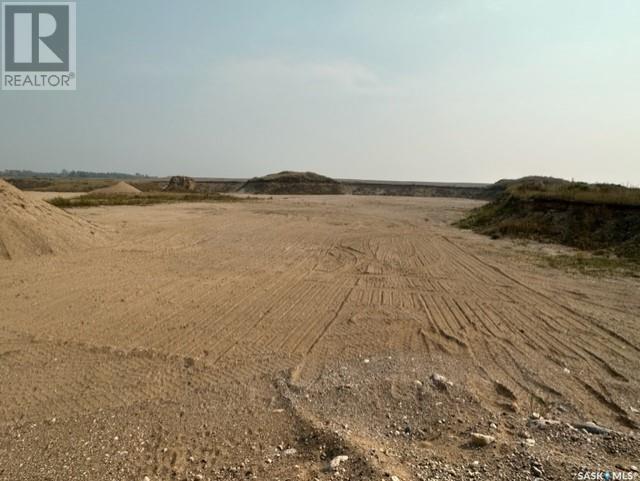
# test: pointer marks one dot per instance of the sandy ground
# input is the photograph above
(260, 339)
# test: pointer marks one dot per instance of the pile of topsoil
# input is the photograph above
(292, 183)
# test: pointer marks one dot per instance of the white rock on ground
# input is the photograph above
(335, 462)
(440, 381)
(478, 439)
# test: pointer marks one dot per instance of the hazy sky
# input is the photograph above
(440, 90)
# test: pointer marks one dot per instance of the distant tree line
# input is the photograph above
(64, 173)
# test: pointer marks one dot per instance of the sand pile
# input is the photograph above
(119, 188)
(296, 183)
(30, 227)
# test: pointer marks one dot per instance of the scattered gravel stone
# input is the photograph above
(335, 462)
(542, 423)
(478, 439)
(536, 471)
(440, 381)
(592, 428)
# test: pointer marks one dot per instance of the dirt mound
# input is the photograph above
(529, 182)
(180, 183)
(533, 180)
(595, 217)
(119, 188)
(292, 183)
(33, 227)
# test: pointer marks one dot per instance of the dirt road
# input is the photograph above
(205, 340)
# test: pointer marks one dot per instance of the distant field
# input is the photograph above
(220, 185)
(67, 184)
(137, 199)
(529, 188)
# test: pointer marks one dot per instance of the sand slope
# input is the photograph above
(30, 227)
